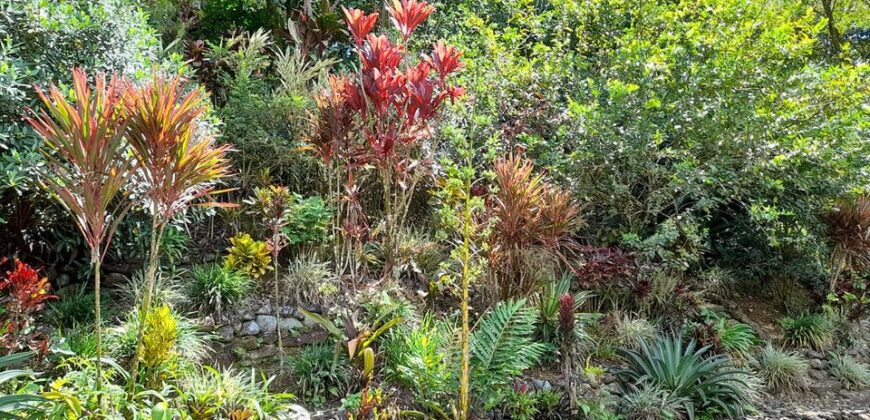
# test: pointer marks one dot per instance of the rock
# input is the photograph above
(263, 352)
(818, 364)
(288, 312)
(609, 378)
(247, 343)
(265, 310)
(824, 387)
(812, 354)
(207, 258)
(246, 315)
(114, 279)
(63, 280)
(268, 323)
(269, 338)
(817, 374)
(250, 328)
(237, 325)
(225, 334)
(290, 324)
(207, 323)
(541, 385)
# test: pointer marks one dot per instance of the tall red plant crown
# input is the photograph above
(395, 101)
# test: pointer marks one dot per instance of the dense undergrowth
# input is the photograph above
(478, 208)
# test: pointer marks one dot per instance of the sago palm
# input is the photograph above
(86, 165)
(178, 165)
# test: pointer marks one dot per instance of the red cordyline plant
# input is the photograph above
(87, 169)
(532, 218)
(849, 231)
(27, 293)
(387, 109)
(178, 164)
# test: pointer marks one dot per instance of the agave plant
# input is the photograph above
(13, 405)
(87, 169)
(701, 381)
(178, 164)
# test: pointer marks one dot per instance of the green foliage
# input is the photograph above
(42, 41)
(208, 393)
(312, 280)
(248, 256)
(614, 99)
(547, 304)
(781, 371)
(421, 359)
(502, 345)
(20, 401)
(80, 340)
(851, 373)
(213, 287)
(74, 306)
(632, 332)
(704, 382)
(808, 331)
(308, 221)
(736, 338)
(320, 375)
(651, 402)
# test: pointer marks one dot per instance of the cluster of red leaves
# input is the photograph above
(380, 115)
(603, 264)
(26, 293)
(566, 316)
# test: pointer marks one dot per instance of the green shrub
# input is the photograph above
(419, 358)
(207, 393)
(308, 221)
(248, 256)
(632, 332)
(320, 375)
(782, 371)
(213, 287)
(735, 338)
(808, 331)
(81, 340)
(74, 306)
(651, 403)
(849, 372)
(311, 280)
(702, 381)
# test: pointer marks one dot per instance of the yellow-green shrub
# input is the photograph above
(248, 256)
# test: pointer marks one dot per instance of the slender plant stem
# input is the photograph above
(276, 236)
(150, 279)
(98, 328)
(466, 260)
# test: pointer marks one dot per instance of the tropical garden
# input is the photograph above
(447, 209)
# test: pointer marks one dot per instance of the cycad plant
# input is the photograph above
(86, 165)
(178, 163)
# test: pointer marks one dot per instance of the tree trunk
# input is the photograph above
(833, 32)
